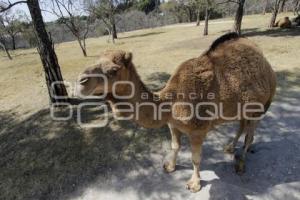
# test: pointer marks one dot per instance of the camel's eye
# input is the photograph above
(112, 71)
(83, 80)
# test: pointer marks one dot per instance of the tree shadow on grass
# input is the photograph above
(142, 35)
(7, 119)
(45, 159)
(25, 54)
(274, 32)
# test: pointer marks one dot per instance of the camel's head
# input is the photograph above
(99, 79)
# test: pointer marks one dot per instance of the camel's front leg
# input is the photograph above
(196, 146)
(170, 164)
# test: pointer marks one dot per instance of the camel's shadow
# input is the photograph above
(272, 171)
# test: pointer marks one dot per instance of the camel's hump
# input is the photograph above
(222, 39)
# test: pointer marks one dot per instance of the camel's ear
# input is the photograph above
(127, 58)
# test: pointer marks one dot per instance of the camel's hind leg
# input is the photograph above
(170, 164)
(196, 146)
(229, 148)
(250, 126)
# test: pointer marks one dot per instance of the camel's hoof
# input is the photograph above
(229, 149)
(169, 168)
(240, 166)
(193, 186)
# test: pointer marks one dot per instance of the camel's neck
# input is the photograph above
(144, 105)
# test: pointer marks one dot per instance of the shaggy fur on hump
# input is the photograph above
(222, 39)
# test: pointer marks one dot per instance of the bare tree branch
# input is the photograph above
(4, 7)
(70, 13)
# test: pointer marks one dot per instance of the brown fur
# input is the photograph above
(235, 71)
(283, 23)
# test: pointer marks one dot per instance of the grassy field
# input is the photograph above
(154, 50)
(42, 159)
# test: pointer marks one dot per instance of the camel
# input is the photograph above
(284, 23)
(233, 71)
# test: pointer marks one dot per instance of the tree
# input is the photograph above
(105, 10)
(207, 14)
(296, 5)
(12, 25)
(28, 34)
(3, 40)
(282, 6)
(265, 7)
(3, 46)
(239, 16)
(189, 7)
(274, 13)
(175, 8)
(210, 5)
(45, 49)
(198, 17)
(71, 14)
(147, 6)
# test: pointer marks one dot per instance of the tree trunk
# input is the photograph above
(239, 17)
(82, 47)
(265, 7)
(198, 17)
(282, 6)
(274, 13)
(296, 7)
(190, 15)
(54, 80)
(206, 21)
(112, 37)
(114, 32)
(13, 40)
(6, 50)
(114, 29)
